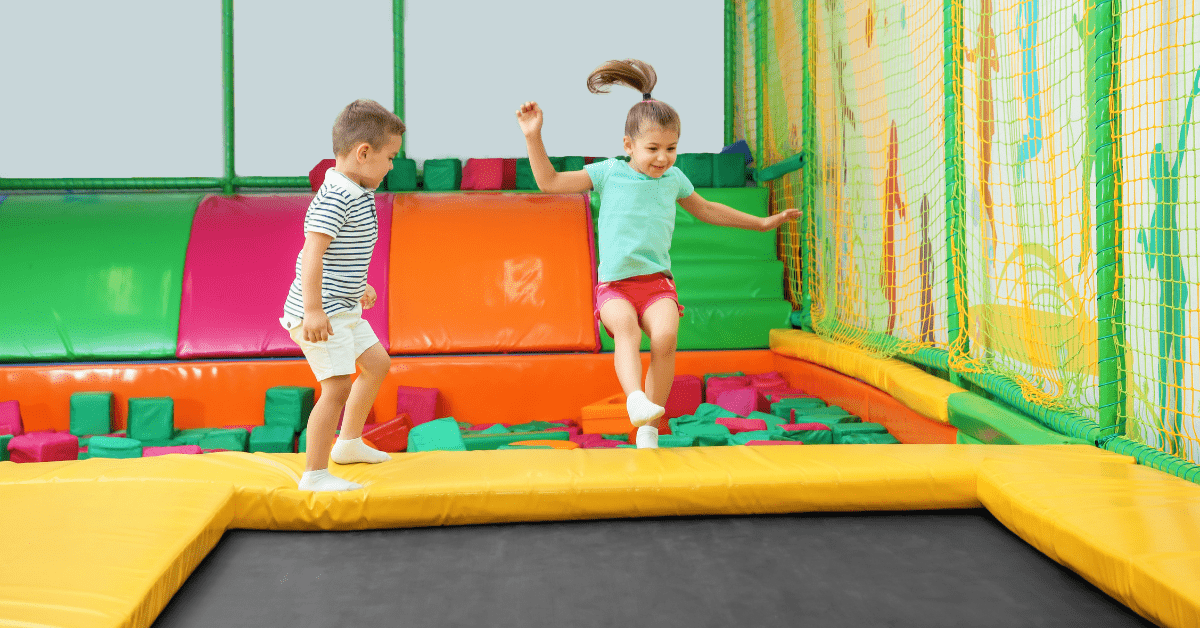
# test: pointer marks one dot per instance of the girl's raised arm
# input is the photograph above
(529, 116)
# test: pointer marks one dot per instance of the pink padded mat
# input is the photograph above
(241, 259)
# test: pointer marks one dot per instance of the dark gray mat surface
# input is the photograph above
(950, 568)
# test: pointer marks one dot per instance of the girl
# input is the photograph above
(637, 217)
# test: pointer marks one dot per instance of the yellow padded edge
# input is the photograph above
(1128, 529)
(920, 391)
(98, 553)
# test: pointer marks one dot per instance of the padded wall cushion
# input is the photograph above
(240, 263)
(98, 274)
(491, 273)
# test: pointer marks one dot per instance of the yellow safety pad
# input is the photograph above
(101, 553)
(1128, 529)
(920, 391)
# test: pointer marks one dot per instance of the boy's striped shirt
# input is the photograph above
(346, 211)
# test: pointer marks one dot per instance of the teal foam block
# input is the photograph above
(91, 413)
(495, 429)
(667, 441)
(729, 170)
(712, 411)
(705, 434)
(151, 419)
(842, 430)
(784, 407)
(228, 439)
(114, 447)
(4, 439)
(697, 167)
(525, 179)
(276, 439)
(492, 441)
(533, 426)
(403, 176)
(571, 164)
(437, 435)
(193, 436)
(443, 175)
(869, 439)
(288, 406)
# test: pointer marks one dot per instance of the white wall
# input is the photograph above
(133, 87)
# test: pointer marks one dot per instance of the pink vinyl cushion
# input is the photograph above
(686, 395)
(738, 425)
(483, 174)
(740, 401)
(148, 452)
(771, 379)
(419, 403)
(794, 427)
(43, 447)
(241, 260)
(10, 418)
(718, 385)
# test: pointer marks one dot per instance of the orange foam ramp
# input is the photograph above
(491, 273)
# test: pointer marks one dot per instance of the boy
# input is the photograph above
(323, 311)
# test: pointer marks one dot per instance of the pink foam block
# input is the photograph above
(148, 452)
(316, 176)
(718, 385)
(240, 262)
(773, 442)
(767, 380)
(483, 174)
(776, 394)
(687, 392)
(742, 425)
(793, 427)
(248, 428)
(740, 401)
(593, 441)
(10, 418)
(483, 426)
(419, 403)
(43, 447)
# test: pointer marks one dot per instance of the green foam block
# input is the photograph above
(272, 439)
(667, 441)
(712, 411)
(742, 438)
(114, 447)
(443, 175)
(403, 176)
(91, 413)
(705, 434)
(151, 418)
(729, 170)
(493, 441)
(868, 439)
(708, 376)
(841, 430)
(698, 167)
(495, 429)
(525, 179)
(784, 407)
(227, 439)
(288, 406)
(437, 435)
(808, 437)
(4, 438)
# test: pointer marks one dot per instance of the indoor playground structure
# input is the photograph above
(969, 371)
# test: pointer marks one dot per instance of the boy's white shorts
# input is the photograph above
(336, 356)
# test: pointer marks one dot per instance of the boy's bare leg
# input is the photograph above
(322, 422)
(661, 322)
(620, 318)
(374, 364)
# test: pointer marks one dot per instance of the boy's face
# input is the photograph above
(653, 151)
(372, 164)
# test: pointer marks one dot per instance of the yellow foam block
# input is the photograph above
(102, 553)
(1128, 529)
(920, 391)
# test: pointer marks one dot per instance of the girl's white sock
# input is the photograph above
(641, 410)
(351, 451)
(322, 480)
(647, 437)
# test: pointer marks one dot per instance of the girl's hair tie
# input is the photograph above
(646, 96)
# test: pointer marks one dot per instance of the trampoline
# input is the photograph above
(948, 568)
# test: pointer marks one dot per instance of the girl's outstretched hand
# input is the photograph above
(773, 222)
(529, 116)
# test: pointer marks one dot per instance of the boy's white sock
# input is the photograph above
(647, 437)
(321, 480)
(351, 451)
(641, 410)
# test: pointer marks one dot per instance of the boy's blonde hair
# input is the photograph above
(639, 75)
(361, 121)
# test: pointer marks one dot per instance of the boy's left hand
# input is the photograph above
(773, 222)
(368, 298)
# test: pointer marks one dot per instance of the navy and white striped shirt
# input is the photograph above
(346, 211)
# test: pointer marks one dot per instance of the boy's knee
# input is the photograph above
(336, 387)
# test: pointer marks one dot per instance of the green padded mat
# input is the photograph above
(100, 275)
(994, 424)
(728, 280)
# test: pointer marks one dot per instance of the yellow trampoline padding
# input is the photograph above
(925, 394)
(1128, 529)
(99, 553)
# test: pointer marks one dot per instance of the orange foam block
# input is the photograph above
(607, 416)
(555, 444)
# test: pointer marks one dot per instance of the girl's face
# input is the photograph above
(652, 152)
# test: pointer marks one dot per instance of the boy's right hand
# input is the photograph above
(316, 326)
(529, 116)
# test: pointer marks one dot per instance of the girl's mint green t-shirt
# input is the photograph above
(637, 217)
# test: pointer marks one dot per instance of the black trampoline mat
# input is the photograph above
(938, 568)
